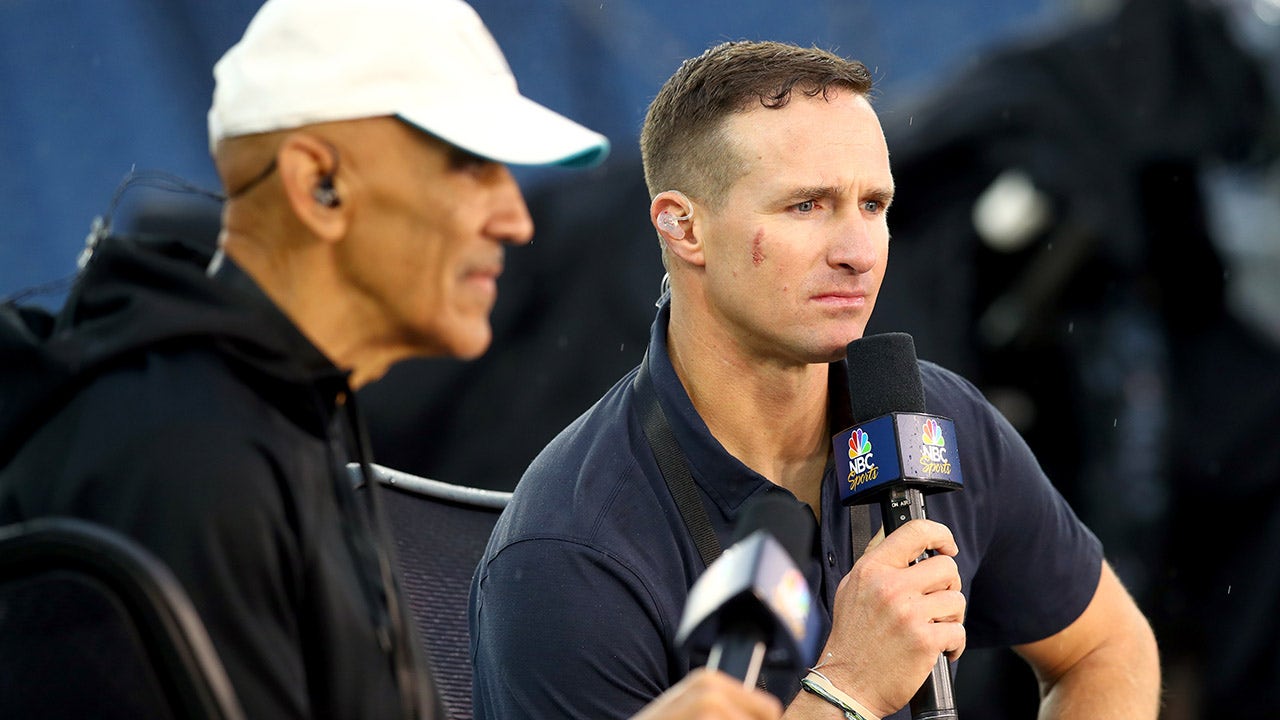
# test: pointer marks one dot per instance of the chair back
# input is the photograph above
(92, 625)
(440, 532)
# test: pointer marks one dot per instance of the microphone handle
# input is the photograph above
(935, 699)
(739, 652)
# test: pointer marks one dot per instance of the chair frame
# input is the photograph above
(439, 494)
(186, 664)
(461, 494)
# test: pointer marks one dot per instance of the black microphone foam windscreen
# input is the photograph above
(883, 376)
(785, 519)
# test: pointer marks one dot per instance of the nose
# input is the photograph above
(856, 242)
(509, 219)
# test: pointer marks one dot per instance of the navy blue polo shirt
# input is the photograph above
(576, 603)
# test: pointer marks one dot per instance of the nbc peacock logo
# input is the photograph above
(859, 444)
(861, 468)
(932, 433)
(791, 597)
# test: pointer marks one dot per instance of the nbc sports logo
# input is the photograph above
(933, 450)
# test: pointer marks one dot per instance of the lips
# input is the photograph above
(840, 296)
(485, 269)
(485, 273)
(842, 300)
(485, 278)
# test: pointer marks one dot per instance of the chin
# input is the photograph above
(833, 347)
(453, 339)
(471, 345)
(469, 353)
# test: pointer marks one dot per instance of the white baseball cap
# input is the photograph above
(432, 63)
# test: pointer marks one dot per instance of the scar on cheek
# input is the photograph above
(757, 255)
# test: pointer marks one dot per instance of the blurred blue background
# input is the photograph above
(89, 90)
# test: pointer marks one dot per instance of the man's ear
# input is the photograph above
(671, 213)
(312, 185)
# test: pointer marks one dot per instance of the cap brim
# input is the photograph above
(511, 129)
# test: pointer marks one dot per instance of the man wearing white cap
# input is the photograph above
(205, 406)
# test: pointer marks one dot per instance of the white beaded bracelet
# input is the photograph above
(819, 684)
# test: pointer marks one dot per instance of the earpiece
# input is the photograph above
(670, 224)
(325, 194)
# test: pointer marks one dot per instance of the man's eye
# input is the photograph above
(806, 206)
(460, 159)
(877, 203)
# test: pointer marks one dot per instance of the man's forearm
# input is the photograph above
(1105, 664)
(1117, 680)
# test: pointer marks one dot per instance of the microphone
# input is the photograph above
(753, 599)
(897, 454)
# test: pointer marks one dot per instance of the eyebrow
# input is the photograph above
(812, 191)
(883, 196)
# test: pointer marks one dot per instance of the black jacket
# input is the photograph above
(190, 413)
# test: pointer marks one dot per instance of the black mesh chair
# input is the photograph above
(92, 625)
(440, 532)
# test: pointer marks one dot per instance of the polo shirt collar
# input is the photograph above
(724, 478)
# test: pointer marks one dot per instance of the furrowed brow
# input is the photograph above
(810, 192)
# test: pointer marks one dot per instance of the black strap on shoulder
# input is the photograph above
(675, 471)
(674, 467)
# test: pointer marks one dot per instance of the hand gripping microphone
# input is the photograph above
(753, 599)
(894, 455)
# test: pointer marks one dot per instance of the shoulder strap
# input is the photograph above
(675, 471)
(674, 467)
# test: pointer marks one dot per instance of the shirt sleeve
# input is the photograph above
(561, 631)
(1041, 564)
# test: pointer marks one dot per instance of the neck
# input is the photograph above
(771, 416)
(300, 280)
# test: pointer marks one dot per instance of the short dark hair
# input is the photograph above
(682, 142)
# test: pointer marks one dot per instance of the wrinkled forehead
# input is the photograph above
(811, 139)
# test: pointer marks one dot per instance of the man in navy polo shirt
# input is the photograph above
(770, 182)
